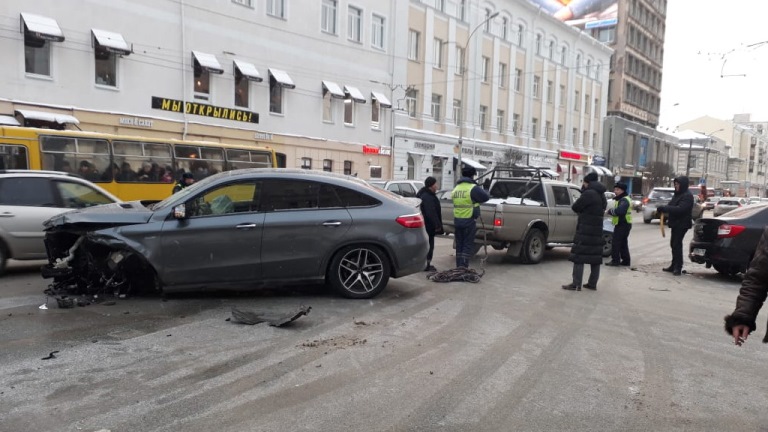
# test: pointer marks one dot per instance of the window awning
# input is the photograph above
(415, 153)
(334, 89)
(248, 70)
(355, 94)
(474, 164)
(282, 78)
(208, 62)
(6, 120)
(561, 168)
(48, 117)
(383, 101)
(574, 170)
(110, 41)
(42, 27)
(549, 173)
(599, 170)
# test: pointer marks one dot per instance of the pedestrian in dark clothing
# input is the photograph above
(433, 219)
(588, 242)
(622, 223)
(186, 179)
(754, 289)
(466, 196)
(679, 210)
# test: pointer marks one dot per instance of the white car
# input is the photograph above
(406, 188)
(29, 198)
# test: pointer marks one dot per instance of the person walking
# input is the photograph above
(186, 180)
(433, 219)
(754, 289)
(679, 210)
(466, 196)
(622, 223)
(588, 242)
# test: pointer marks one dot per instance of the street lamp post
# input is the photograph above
(457, 172)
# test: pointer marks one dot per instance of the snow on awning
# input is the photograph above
(597, 169)
(110, 41)
(248, 70)
(474, 164)
(383, 101)
(48, 117)
(41, 27)
(334, 89)
(208, 62)
(282, 78)
(6, 120)
(355, 94)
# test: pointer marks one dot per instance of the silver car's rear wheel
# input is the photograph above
(359, 272)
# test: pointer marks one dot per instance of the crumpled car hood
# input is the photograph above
(125, 213)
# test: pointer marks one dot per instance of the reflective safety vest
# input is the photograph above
(628, 216)
(462, 201)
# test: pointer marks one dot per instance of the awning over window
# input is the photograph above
(334, 89)
(112, 42)
(383, 101)
(561, 168)
(6, 120)
(355, 94)
(472, 163)
(42, 27)
(48, 117)
(208, 62)
(574, 170)
(282, 78)
(600, 170)
(248, 70)
(549, 173)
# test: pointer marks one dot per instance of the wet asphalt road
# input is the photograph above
(646, 351)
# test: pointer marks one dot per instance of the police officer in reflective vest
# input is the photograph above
(467, 196)
(622, 224)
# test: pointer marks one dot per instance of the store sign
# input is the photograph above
(423, 145)
(371, 150)
(135, 121)
(264, 136)
(385, 151)
(205, 110)
(598, 160)
(572, 156)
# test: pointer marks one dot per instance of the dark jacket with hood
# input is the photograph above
(478, 195)
(430, 208)
(680, 207)
(754, 289)
(588, 241)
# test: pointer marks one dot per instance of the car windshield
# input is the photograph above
(661, 195)
(181, 196)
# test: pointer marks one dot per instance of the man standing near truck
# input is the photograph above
(466, 196)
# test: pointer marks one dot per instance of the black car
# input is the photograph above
(728, 243)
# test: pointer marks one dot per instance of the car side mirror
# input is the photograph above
(180, 212)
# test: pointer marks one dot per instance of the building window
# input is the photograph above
(504, 28)
(327, 165)
(547, 130)
(578, 62)
(597, 106)
(487, 25)
(483, 116)
(377, 31)
(485, 69)
(576, 101)
(306, 163)
(562, 95)
(374, 172)
(436, 103)
(437, 54)
(500, 121)
(589, 68)
(347, 167)
(37, 55)
(550, 92)
(241, 90)
(518, 79)
(440, 5)
(559, 133)
(563, 56)
(375, 114)
(349, 109)
(413, 45)
(574, 135)
(534, 127)
(328, 16)
(275, 96)
(586, 103)
(515, 123)
(276, 8)
(594, 140)
(520, 35)
(536, 86)
(243, 2)
(457, 112)
(355, 24)
(106, 66)
(328, 106)
(585, 138)
(502, 75)
(411, 96)
(537, 47)
(551, 53)
(462, 10)
(459, 60)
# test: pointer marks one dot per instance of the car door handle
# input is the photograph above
(7, 214)
(332, 223)
(559, 213)
(246, 226)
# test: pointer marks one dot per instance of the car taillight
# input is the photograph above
(645, 200)
(498, 222)
(728, 231)
(411, 221)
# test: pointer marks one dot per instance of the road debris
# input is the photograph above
(251, 318)
(50, 356)
(460, 274)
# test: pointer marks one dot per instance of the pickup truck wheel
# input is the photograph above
(533, 247)
(607, 244)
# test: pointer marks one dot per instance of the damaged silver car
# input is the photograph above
(241, 229)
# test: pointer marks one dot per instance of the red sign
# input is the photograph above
(572, 155)
(370, 150)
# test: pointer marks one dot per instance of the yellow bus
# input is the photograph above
(131, 167)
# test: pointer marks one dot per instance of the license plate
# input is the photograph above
(699, 252)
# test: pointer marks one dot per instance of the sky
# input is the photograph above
(704, 40)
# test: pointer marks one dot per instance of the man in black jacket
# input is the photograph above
(433, 219)
(754, 289)
(679, 212)
(588, 242)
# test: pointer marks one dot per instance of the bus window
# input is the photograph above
(238, 159)
(13, 157)
(143, 162)
(200, 161)
(89, 156)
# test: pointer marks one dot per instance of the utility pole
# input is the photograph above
(688, 159)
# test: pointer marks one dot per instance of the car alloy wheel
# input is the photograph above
(359, 271)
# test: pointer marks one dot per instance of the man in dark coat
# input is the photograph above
(622, 225)
(588, 241)
(433, 219)
(679, 212)
(754, 289)
(466, 196)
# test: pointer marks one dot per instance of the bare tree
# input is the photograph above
(659, 174)
(510, 157)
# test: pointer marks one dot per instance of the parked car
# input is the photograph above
(662, 196)
(406, 188)
(728, 243)
(637, 202)
(377, 183)
(29, 198)
(242, 228)
(753, 200)
(724, 205)
(709, 204)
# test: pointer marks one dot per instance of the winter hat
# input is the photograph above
(591, 177)
(621, 186)
(468, 171)
(430, 181)
(187, 175)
